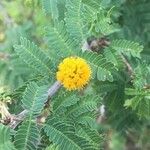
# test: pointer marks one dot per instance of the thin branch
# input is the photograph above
(54, 88)
(147, 86)
(97, 44)
(4, 56)
(130, 69)
(17, 119)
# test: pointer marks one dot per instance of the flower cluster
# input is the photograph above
(73, 73)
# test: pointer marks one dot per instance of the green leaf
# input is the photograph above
(101, 68)
(125, 46)
(142, 74)
(95, 4)
(63, 100)
(50, 8)
(52, 147)
(34, 99)
(87, 104)
(74, 22)
(59, 41)
(5, 139)
(112, 56)
(87, 120)
(34, 57)
(63, 134)
(27, 136)
(140, 102)
(103, 74)
(104, 24)
(133, 92)
(92, 135)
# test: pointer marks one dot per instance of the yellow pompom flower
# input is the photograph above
(73, 73)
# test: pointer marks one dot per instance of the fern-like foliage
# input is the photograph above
(52, 147)
(87, 105)
(63, 133)
(128, 47)
(104, 24)
(140, 101)
(50, 8)
(13, 71)
(92, 135)
(73, 106)
(34, 99)
(101, 68)
(5, 138)
(34, 57)
(79, 110)
(59, 41)
(89, 15)
(142, 73)
(96, 4)
(63, 100)
(112, 56)
(71, 116)
(133, 26)
(27, 137)
(73, 20)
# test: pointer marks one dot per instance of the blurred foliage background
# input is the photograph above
(25, 18)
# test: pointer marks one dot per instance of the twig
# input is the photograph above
(147, 86)
(17, 119)
(4, 56)
(130, 69)
(54, 88)
(97, 44)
